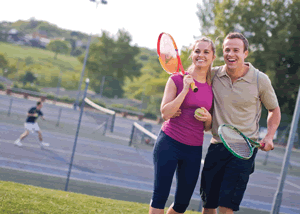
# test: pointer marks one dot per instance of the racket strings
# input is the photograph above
(168, 54)
(236, 142)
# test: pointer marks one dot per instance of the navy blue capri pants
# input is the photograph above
(169, 156)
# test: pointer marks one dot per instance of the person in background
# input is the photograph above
(31, 125)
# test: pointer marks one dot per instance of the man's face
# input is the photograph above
(234, 54)
(39, 106)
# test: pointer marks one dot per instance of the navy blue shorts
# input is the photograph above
(169, 156)
(224, 178)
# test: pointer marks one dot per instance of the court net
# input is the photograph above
(141, 137)
(105, 118)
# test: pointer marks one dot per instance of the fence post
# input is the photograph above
(59, 114)
(10, 105)
(294, 125)
(131, 135)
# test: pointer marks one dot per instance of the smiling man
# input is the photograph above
(239, 92)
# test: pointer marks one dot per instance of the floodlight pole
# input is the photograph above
(278, 195)
(85, 59)
(77, 132)
(82, 72)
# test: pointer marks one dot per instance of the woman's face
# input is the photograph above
(202, 55)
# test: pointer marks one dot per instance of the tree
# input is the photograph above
(272, 29)
(58, 47)
(73, 45)
(113, 58)
(28, 77)
(3, 61)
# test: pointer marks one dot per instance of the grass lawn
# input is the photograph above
(20, 198)
(17, 51)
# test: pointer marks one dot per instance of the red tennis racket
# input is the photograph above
(168, 56)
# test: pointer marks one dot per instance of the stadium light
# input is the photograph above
(85, 58)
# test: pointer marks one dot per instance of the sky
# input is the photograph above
(143, 19)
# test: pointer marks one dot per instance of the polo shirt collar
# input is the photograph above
(249, 77)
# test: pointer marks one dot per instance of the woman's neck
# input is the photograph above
(199, 74)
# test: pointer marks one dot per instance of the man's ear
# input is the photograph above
(246, 54)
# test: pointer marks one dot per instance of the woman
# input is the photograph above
(179, 144)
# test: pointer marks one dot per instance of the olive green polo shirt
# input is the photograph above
(239, 103)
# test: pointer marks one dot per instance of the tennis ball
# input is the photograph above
(199, 111)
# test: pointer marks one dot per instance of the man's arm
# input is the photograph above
(273, 121)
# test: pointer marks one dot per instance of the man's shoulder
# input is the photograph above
(32, 109)
(215, 70)
(260, 73)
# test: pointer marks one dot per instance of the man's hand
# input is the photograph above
(177, 114)
(269, 145)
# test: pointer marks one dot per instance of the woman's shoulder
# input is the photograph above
(176, 77)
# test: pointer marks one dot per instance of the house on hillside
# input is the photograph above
(13, 35)
(40, 34)
(44, 42)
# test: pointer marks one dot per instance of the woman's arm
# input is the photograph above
(170, 103)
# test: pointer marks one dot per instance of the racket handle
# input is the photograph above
(262, 145)
(194, 87)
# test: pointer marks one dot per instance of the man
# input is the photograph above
(32, 125)
(239, 90)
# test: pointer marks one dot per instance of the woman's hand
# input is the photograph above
(187, 81)
(206, 116)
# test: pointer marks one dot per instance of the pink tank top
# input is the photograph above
(186, 128)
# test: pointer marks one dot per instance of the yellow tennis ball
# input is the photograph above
(199, 111)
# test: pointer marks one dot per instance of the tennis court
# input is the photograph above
(106, 158)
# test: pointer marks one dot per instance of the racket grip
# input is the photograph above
(194, 87)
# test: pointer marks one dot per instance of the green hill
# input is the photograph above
(42, 64)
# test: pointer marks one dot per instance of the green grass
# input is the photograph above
(17, 51)
(20, 198)
(44, 65)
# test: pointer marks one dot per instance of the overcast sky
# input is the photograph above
(144, 20)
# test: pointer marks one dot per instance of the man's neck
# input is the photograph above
(235, 74)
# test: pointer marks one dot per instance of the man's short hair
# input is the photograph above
(236, 35)
(38, 103)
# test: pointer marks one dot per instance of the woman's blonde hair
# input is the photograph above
(203, 39)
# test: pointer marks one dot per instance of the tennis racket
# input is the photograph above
(168, 56)
(236, 142)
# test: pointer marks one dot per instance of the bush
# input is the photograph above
(2, 86)
(16, 85)
(31, 87)
(51, 96)
(117, 105)
(131, 108)
(150, 115)
(66, 99)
